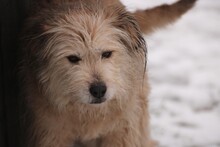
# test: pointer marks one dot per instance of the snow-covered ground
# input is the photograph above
(184, 71)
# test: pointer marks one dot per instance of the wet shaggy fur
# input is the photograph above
(60, 108)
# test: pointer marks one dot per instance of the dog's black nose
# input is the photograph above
(98, 89)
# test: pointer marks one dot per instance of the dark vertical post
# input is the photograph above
(12, 15)
(9, 35)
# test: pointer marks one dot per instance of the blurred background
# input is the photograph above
(184, 71)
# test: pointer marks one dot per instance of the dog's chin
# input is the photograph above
(98, 101)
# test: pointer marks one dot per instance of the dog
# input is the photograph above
(84, 71)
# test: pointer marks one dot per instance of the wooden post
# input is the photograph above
(12, 16)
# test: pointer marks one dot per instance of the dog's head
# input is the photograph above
(86, 54)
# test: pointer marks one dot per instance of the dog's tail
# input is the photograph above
(161, 16)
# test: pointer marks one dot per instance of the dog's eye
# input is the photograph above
(74, 59)
(107, 54)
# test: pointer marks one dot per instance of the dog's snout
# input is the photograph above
(98, 90)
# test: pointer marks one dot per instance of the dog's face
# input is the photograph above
(90, 57)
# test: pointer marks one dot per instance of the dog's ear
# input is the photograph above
(132, 37)
(33, 39)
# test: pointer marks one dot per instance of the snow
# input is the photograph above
(184, 72)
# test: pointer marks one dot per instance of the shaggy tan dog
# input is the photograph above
(84, 70)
